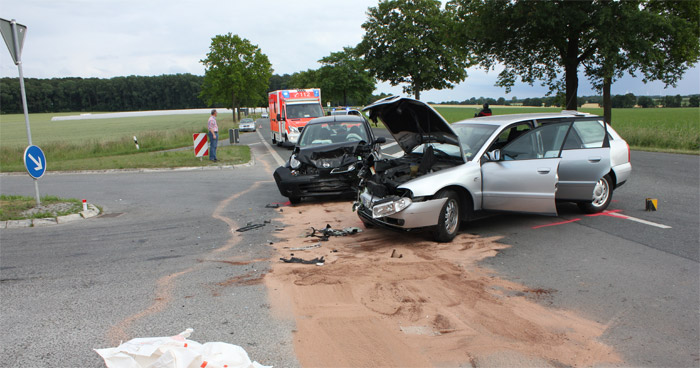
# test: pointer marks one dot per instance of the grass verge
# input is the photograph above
(12, 207)
(227, 155)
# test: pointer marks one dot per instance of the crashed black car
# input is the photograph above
(326, 158)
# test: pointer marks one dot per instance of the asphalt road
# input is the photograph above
(166, 256)
(163, 258)
(641, 280)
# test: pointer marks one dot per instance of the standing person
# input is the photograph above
(213, 135)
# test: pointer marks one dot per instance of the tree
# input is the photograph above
(540, 40)
(673, 101)
(624, 101)
(694, 101)
(305, 79)
(236, 73)
(278, 82)
(409, 42)
(343, 75)
(645, 101)
(658, 39)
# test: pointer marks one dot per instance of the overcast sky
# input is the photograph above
(105, 38)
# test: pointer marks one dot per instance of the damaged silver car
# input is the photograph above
(518, 163)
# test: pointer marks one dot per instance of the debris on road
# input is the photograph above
(305, 247)
(328, 231)
(250, 226)
(317, 261)
(396, 255)
(176, 352)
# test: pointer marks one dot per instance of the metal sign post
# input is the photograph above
(13, 33)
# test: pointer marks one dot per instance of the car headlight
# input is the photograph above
(293, 129)
(390, 208)
(294, 163)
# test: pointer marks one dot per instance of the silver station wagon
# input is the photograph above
(512, 163)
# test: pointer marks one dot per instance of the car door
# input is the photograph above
(585, 159)
(525, 178)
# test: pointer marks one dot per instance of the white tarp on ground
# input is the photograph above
(176, 352)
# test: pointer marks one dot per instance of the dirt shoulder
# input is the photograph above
(430, 304)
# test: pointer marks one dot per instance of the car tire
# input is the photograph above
(294, 200)
(449, 220)
(602, 196)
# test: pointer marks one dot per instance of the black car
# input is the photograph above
(326, 158)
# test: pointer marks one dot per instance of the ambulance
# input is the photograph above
(290, 110)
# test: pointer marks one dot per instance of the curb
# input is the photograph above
(92, 211)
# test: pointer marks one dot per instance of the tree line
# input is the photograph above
(628, 100)
(132, 93)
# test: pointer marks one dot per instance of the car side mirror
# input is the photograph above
(494, 155)
(380, 140)
(279, 117)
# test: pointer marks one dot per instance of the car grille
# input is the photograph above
(325, 186)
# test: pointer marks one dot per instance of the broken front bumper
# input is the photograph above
(417, 215)
(313, 185)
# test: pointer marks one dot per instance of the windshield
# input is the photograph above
(333, 132)
(300, 111)
(472, 137)
(440, 149)
(246, 120)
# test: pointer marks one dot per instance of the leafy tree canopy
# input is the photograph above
(343, 76)
(236, 73)
(409, 42)
(540, 40)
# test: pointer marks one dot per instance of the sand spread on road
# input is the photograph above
(430, 304)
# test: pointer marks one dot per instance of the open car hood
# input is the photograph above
(411, 122)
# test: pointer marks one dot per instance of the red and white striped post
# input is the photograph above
(201, 145)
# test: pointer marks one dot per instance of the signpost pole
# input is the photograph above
(18, 61)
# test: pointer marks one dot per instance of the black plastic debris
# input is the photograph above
(328, 231)
(249, 227)
(273, 205)
(304, 261)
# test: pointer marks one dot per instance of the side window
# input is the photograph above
(509, 134)
(543, 142)
(586, 134)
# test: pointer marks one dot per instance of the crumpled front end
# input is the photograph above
(401, 213)
(312, 173)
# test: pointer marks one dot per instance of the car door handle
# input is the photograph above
(594, 159)
(543, 170)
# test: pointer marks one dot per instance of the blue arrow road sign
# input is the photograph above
(34, 161)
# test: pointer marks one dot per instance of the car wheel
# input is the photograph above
(448, 222)
(294, 200)
(602, 196)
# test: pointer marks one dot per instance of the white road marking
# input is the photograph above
(645, 222)
(274, 154)
(392, 144)
(389, 145)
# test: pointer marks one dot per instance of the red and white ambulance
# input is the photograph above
(290, 110)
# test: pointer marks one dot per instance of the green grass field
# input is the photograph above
(100, 144)
(668, 130)
(108, 143)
